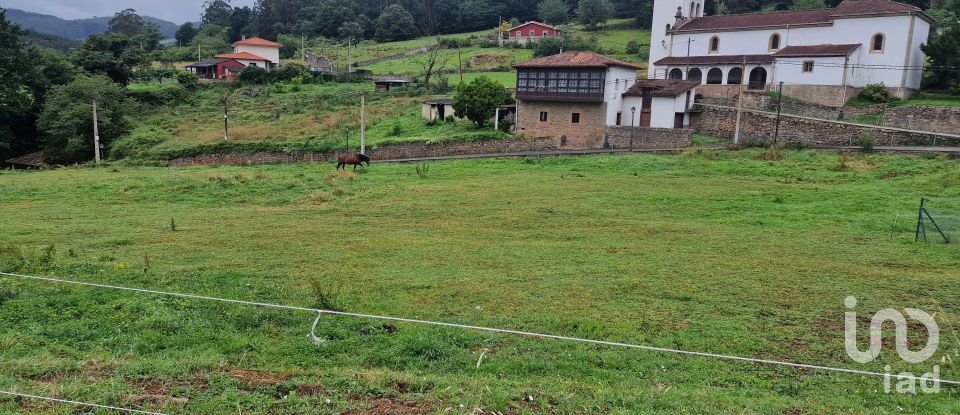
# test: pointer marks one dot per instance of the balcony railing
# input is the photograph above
(547, 95)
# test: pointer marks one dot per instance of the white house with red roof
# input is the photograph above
(531, 32)
(255, 51)
(822, 55)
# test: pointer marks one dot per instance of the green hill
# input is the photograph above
(77, 29)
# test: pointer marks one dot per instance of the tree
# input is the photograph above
(478, 100)
(553, 12)
(149, 38)
(433, 62)
(594, 13)
(943, 50)
(185, 34)
(242, 22)
(808, 5)
(395, 23)
(109, 54)
(126, 22)
(351, 30)
(67, 119)
(216, 12)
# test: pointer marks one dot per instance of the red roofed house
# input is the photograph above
(575, 96)
(823, 55)
(532, 32)
(254, 51)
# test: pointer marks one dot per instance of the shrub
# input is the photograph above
(160, 96)
(253, 75)
(633, 47)
(289, 72)
(187, 80)
(875, 93)
(774, 152)
(867, 141)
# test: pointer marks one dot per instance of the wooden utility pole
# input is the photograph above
(350, 55)
(776, 134)
(736, 133)
(303, 48)
(226, 126)
(363, 123)
(96, 135)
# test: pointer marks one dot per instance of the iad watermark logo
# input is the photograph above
(906, 382)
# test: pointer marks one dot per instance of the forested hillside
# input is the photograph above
(78, 29)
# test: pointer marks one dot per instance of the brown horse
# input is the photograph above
(352, 159)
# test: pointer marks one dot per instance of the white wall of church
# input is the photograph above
(826, 71)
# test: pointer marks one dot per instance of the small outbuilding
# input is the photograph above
(388, 82)
(658, 103)
(216, 68)
(35, 160)
(438, 109)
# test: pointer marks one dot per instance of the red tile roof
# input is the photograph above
(533, 22)
(661, 87)
(866, 7)
(846, 9)
(817, 50)
(257, 41)
(756, 20)
(575, 60)
(242, 55)
(714, 60)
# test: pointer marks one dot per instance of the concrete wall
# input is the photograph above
(587, 134)
(720, 122)
(618, 81)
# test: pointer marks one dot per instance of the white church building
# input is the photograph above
(824, 55)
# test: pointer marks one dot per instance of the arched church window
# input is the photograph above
(877, 44)
(774, 41)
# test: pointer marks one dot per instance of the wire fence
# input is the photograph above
(938, 221)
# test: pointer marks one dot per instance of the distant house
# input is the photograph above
(254, 51)
(530, 32)
(226, 69)
(384, 83)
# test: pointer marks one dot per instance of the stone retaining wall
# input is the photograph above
(721, 122)
(386, 152)
(650, 138)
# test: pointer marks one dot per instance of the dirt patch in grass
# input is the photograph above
(393, 407)
(311, 390)
(256, 377)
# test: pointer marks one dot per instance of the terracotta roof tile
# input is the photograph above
(714, 60)
(242, 55)
(817, 50)
(661, 87)
(575, 60)
(848, 8)
(257, 41)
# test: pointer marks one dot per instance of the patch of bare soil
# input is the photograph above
(393, 407)
(256, 377)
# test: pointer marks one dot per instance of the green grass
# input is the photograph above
(924, 98)
(277, 117)
(714, 252)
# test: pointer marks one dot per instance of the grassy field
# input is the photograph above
(713, 252)
(613, 39)
(281, 115)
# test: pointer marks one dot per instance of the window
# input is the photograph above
(775, 41)
(876, 45)
(575, 118)
(691, 10)
(676, 73)
(668, 29)
(715, 76)
(698, 11)
(808, 66)
(532, 33)
(714, 44)
(695, 74)
(543, 116)
(546, 33)
(619, 118)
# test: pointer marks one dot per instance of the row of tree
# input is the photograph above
(388, 20)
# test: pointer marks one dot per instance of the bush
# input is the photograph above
(187, 80)
(290, 71)
(875, 93)
(633, 47)
(160, 96)
(867, 141)
(253, 75)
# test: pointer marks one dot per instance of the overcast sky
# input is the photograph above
(177, 11)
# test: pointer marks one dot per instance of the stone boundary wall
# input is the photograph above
(927, 118)
(721, 122)
(650, 138)
(386, 152)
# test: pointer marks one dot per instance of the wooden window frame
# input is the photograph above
(883, 42)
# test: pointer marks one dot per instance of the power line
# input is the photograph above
(478, 328)
(78, 403)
